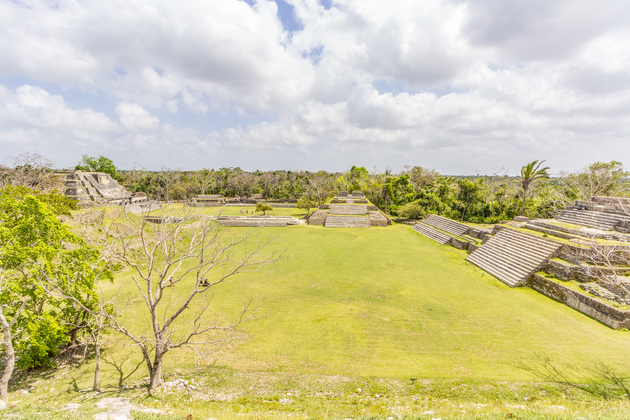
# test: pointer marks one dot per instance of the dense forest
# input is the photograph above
(412, 193)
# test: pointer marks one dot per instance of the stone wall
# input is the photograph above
(252, 223)
(606, 314)
(348, 209)
(282, 205)
(318, 217)
(581, 273)
(579, 255)
(379, 219)
(343, 221)
(459, 243)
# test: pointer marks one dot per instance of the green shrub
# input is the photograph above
(411, 211)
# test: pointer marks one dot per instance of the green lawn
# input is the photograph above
(389, 302)
(378, 303)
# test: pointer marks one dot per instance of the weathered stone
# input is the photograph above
(606, 314)
(210, 200)
(348, 209)
(97, 188)
(347, 221)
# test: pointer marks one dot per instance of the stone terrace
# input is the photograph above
(257, 221)
(447, 225)
(512, 256)
(97, 188)
(346, 221)
(349, 211)
(432, 233)
(594, 219)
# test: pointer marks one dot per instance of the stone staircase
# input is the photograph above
(594, 219)
(432, 233)
(346, 221)
(349, 209)
(512, 256)
(447, 225)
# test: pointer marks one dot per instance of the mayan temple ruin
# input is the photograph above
(579, 258)
(349, 211)
(97, 188)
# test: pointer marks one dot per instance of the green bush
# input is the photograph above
(411, 211)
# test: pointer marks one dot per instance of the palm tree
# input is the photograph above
(530, 173)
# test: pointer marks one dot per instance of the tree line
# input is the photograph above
(410, 193)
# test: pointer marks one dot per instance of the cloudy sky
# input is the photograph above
(460, 86)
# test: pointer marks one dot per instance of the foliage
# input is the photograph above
(411, 211)
(99, 164)
(469, 198)
(305, 203)
(530, 173)
(37, 250)
(264, 207)
(58, 202)
(597, 179)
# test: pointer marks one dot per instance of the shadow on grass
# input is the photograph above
(597, 378)
(122, 376)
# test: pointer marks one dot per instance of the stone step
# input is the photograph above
(431, 233)
(519, 269)
(598, 220)
(510, 278)
(446, 224)
(529, 248)
(348, 209)
(534, 239)
(512, 256)
(339, 221)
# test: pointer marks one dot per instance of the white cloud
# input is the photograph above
(135, 118)
(452, 84)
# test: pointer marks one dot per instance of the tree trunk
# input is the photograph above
(97, 368)
(10, 358)
(156, 370)
(524, 196)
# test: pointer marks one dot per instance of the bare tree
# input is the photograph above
(28, 169)
(174, 264)
(168, 178)
(204, 179)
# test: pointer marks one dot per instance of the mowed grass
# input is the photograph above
(348, 318)
(388, 302)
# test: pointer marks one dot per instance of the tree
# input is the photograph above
(597, 179)
(468, 195)
(29, 170)
(204, 179)
(306, 203)
(99, 164)
(411, 211)
(190, 254)
(530, 173)
(264, 207)
(37, 249)
(355, 179)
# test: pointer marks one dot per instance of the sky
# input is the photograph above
(462, 87)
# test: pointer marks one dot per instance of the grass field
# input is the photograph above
(372, 309)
